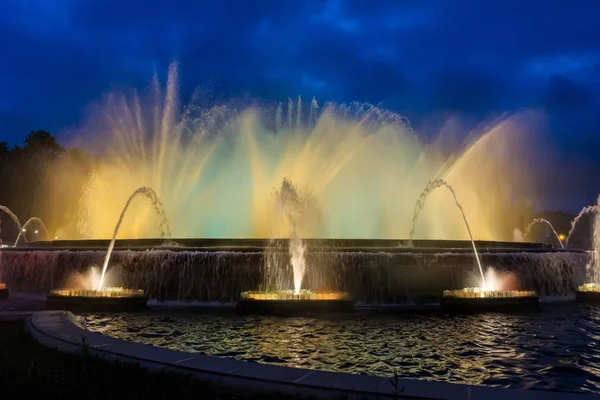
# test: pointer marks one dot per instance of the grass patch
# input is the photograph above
(30, 369)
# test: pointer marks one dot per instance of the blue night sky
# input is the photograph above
(418, 57)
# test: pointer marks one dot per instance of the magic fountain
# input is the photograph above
(215, 168)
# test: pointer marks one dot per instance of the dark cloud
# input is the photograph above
(417, 56)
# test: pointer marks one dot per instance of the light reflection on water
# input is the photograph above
(556, 348)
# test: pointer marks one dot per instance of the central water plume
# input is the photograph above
(296, 210)
(214, 167)
(165, 231)
(431, 186)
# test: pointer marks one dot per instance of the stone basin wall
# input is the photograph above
(370, 277)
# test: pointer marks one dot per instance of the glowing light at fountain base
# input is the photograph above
(479, 299)
(3, 291)
(588, 293)
(110, 299)
(288, 302)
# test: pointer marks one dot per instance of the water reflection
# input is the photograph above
(556, 348)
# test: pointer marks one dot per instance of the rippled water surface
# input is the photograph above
(554, 348)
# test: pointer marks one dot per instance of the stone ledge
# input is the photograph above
(63, 331)
(14, 315)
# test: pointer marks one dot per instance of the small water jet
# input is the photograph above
(8, 212)
(584, 211)
(158, 207)
(590, 291)
(26, 224)
(536, 221)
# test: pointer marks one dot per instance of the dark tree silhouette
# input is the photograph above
(42, 179)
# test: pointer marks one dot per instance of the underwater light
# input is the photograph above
(3, 291)
(480, 299)
(588, 293)
(288, 302)
(109, 299)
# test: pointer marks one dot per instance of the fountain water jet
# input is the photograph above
(158, 207)
(296, 208)
(431, 186)
(542, 221)
(584, 211)
(590, 292)
(478, 298)
(596, 241)
(3, 288)
(26, 224)
(366, 163)
(8, 212)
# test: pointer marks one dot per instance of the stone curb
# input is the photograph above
(15, 315)
(66, 332)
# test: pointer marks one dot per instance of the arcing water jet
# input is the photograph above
(165, 231)
(24, 229)
(542, 221)
(584, 211)
(12, 216)
(431, 186)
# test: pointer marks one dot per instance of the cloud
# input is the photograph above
(416, 55)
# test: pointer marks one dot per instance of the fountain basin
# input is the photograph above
(288, 303)
(477, 300)
(377, 271)
(111, 299)
(3, 291)
(588, 293)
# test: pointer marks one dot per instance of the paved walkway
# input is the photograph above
(22, 302)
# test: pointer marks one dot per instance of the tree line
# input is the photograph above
(43, 179)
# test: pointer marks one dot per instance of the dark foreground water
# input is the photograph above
(555, 348)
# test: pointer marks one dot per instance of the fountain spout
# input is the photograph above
(158, 207)
(431, 186)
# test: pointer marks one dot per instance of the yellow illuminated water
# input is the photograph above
(215, 170)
